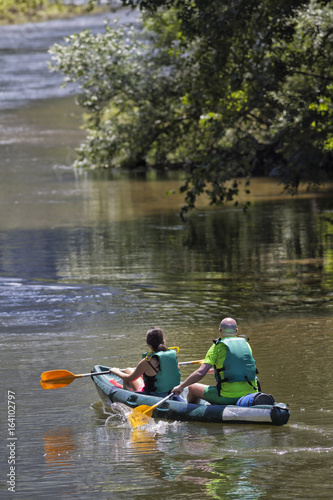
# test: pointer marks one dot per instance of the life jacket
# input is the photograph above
(168, 375)
(239, 365)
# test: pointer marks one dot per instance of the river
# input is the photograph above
(90, 260)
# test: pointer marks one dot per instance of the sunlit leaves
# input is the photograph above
(221, 89)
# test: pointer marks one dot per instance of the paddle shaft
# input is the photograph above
(151, 408)
(94, 374)
(50, 380)
(183, 363)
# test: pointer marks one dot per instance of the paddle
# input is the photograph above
(198, 362)
(141, 414)
(55, 379)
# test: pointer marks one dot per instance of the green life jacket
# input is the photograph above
(168, 375)
(239, 365)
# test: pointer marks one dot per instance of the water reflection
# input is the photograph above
(229, 477)
(275, 259)
(60, 446)
(195, 460)
(143, 441)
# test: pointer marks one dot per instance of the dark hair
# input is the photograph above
(155, 338)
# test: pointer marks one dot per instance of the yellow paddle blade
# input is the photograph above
(137, 418)
(140, 415)
(146, 409)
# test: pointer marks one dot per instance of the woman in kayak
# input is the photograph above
(157, 373)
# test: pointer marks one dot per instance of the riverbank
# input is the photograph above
(18, 12)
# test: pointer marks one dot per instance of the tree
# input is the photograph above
(222, 89)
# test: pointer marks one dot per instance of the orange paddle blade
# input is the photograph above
(56, 384)
(54, 379)
(56, 375)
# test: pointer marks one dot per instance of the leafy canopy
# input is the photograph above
(220, 89)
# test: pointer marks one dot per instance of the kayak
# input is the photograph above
(110, 390)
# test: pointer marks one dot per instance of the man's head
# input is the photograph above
(228, 326)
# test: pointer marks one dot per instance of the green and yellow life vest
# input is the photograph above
(239, 364)
(168, 375)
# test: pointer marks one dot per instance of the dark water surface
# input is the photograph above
(88, 262)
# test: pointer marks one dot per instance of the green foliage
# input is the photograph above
(304, 129)
(19, 11)
(131, 93)
(222, 89)
(13, 9)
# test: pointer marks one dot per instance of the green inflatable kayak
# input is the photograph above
(109, 388)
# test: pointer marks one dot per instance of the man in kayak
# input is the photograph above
(157, 372)
(234, 369)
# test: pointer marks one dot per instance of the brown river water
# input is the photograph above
(90, 260)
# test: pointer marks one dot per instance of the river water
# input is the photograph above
(89, 261)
